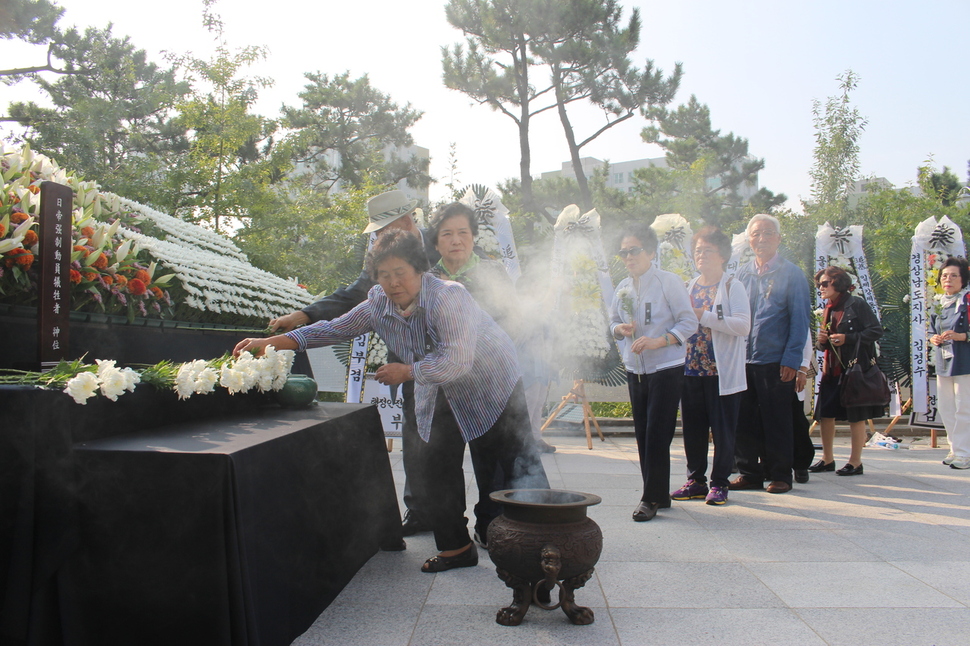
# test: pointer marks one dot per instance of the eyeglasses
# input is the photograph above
(632, 251)
(824, 283)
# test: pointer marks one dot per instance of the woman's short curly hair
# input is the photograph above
(713, 236)
(959, 263)
(840, 279)
(396, 244)
(449, 211)
(642, 232)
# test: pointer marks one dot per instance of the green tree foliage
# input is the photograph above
(312, 237)
(343, 129)
(496, 68)
(705, 170)
(838, 127)
(30, 20)
(230, 164)
(112, 117)
(587, 50)
(944, 185)
(33, 21)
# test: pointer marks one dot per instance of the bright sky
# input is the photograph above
(758, 64)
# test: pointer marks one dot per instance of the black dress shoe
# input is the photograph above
(439, 563)
(645, 511)
(820, 466)
(413, 524)
(849, 470)
(801, 476)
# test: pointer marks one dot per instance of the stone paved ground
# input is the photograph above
(882, 558)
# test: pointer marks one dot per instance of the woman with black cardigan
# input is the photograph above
(848, 331)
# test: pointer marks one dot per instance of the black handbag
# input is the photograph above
(863, 386)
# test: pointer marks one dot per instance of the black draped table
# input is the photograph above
(233, 530)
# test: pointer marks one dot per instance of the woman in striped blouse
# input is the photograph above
(467, 383)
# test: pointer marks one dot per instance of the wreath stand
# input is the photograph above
(577, 395)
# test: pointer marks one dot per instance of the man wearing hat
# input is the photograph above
(387, 212)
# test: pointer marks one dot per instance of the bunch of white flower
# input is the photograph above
(265, 373)
(111, 380)
(195, 377)
(274, 367)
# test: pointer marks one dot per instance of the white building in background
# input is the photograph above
(621, 174)
(863, 186)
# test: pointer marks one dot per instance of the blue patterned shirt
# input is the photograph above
(448, 341)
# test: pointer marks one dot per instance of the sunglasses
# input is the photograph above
(632, 251)
(824, 283)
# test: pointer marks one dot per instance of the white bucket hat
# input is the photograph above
(387, 207)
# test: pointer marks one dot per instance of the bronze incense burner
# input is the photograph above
(542, 540)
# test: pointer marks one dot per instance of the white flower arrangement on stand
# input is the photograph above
(116, 238)
(674, 235)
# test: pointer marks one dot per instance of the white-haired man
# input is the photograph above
(780, 312)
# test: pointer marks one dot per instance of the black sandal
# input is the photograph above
(438, 563)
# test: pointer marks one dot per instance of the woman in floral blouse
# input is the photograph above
(714, 370)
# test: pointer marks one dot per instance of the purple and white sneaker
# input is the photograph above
(717, 496)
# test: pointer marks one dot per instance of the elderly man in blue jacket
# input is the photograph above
(780, 312)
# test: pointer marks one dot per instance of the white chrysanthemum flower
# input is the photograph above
(205, 381)
(231, 379)
(186, 376)
(82, 387)
(113, 383)
(105, 365)
(132, 379)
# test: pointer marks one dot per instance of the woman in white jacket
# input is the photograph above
(651, 319)
(714, 369)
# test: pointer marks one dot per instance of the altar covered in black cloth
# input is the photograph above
(238, 529)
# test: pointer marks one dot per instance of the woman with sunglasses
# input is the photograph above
(651, 319)
(952, 357)
(849, 330)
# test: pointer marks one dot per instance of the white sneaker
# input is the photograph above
(960, 463)
(949, 458)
